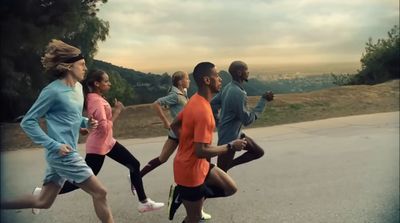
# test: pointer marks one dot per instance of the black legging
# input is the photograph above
(120, 154)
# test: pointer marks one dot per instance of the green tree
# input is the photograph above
(26, 28)
(120, 89)
(380, 62)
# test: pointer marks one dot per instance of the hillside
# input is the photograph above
(134, 87)
(140, 121)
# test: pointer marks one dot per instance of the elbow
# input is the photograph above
(25, 123)
(247, 123)
(102, 128)
(249, 120)
(22, 124)
(156, 105)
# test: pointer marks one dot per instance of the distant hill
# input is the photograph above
(135, 87)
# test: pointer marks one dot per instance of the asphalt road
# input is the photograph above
(335, 170)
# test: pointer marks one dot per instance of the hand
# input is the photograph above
(118, 105)
(239, 144)
(269, 96)
(83, 131)
(93, 123)
(64, 150)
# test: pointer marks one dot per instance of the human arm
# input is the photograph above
(176, 125)
(216, 104)
(30, 122)
(98, 118)
(204, 150)
(118, 108)
(249, 116)
(168, 100)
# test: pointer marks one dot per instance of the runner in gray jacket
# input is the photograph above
(231, 113)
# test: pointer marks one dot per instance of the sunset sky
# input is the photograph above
(272, 36)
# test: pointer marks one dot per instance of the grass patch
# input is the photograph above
(140, 121)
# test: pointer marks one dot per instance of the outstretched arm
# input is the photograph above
(206, 151)
(248, 116)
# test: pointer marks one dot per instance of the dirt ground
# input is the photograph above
(141, 121)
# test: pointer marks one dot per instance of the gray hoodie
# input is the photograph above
(232, 103)
(175, 100)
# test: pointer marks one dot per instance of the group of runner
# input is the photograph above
(191, 131)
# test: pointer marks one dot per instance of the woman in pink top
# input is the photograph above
(101, 143)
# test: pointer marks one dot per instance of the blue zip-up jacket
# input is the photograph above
(175, 100)
(61, 106)
(232, 103)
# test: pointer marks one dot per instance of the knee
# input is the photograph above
(162, 159)
(134, 165)
(231, 190)
(260, 153)
(44, 204)
(223, 166)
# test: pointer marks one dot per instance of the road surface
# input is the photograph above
(335, 170)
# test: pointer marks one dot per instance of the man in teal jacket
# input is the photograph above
(231, 113)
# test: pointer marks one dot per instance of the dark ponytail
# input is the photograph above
(88, 82)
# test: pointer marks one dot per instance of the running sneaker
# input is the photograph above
(174, 201)
(204, 215)
(150, 205)
(133, 189)
(201, 221)
(36, 192)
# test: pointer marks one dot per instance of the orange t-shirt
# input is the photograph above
(197, 126)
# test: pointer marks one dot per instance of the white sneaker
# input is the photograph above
(36, 192)
(150, 205)
(204, 215)
(133, 189)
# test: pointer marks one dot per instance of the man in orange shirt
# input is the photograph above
(195, 177)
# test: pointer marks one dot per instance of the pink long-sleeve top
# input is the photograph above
(100, 140)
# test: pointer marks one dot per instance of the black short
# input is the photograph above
(194, 193)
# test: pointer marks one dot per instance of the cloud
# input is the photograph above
(157, 35)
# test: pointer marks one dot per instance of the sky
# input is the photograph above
(271, 36)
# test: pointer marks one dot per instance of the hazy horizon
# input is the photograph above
(266, 71)
(273, 37)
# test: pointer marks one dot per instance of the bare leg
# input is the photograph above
(168, 148)
(193, 210)
(221, 184)
(99, 194)
(43, 201)
(254, 152)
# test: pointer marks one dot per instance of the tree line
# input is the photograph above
(27, 27)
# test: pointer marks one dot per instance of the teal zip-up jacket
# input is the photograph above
(175, 100)
(231, 113)
(61, 106)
